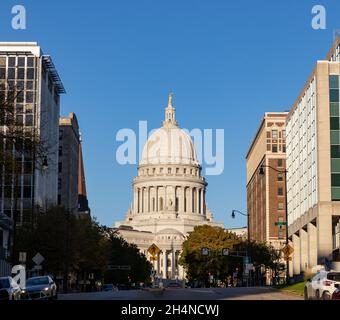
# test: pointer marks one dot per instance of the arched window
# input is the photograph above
(161, 204)
(177, 205)
(153, 204)
(185, 200)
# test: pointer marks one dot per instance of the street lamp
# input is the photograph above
(243, 214)
(262, 172)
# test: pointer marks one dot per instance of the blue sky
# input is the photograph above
(227, 62)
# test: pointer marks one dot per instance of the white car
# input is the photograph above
(322, 285)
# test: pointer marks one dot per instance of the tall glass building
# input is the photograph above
(313, 164)
(24, 67)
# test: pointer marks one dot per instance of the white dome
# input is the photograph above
(169, 145)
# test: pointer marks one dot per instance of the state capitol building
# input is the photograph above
(169, 197)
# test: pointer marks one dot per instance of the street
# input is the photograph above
(256, 293)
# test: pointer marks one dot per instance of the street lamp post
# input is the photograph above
(245, 215)
(262, 172)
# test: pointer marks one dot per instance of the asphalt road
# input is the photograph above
(258, 293)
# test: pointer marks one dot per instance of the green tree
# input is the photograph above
(197, 266)
(123, 253)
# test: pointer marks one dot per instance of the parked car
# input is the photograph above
(9, 289)
(322, 285)
(174, 285)
(109, 287)
(336, 293)
(40, 288)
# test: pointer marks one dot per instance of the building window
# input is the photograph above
(280, 191)
(274, 148)
(274, 134)
(280, 206)
(280, 163)
(279, 177)
(335, 137)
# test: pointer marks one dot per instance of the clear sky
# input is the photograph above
(227, 62)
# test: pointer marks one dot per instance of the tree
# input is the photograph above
(80, 246)
(199, 267)
(123, 253)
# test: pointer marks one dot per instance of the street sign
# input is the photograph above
(280, 223)
(122, 268)
(38, 259)
(225, 252)
(205, 251)
(37, 268)
(246, 260)
(287, 250)
(154, 250)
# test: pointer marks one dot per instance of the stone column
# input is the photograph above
(156, 200)
(172, 264)
(296, 255)
(202, 201)
(165, 262)
(158, 265)
(183, 199)
(165, 203)
(148, 200)
(204, 207)
(303, 250)
(324, 232)
(189, 201)
(197, 200)
(312, 245)
(291, 271)
(135, 209)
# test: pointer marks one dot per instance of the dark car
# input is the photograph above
(9, 289)
(39, 288)
(109, 287)
(336, 293)
(174, 285)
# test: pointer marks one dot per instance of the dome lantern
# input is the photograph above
(170, 120)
